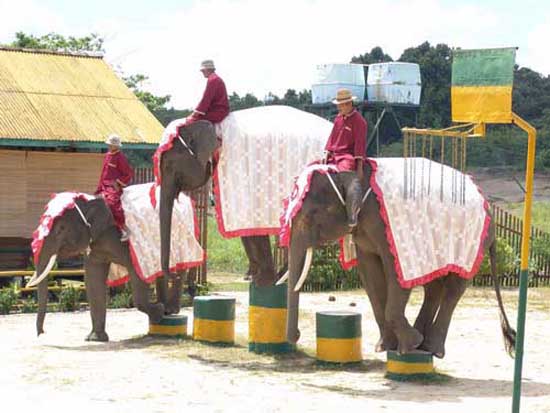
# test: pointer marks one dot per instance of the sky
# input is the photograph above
(269, 46)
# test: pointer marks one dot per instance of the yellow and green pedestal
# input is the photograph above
(267, 319)
(416, 365)
(338, 336)
(214, 319)
(170, 326)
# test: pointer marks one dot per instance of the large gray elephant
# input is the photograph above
(185, 167)
(322, 219)
(70, 236)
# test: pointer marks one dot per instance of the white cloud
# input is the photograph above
(261, 46)
(28, 16)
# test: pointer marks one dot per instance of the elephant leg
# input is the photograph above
(192, 282)
(260, 253)
(433, 293)
(95, 276)
(253, 267)
(407, 336)
(371, 274)
(454, 288)
(140, 294)
(174, 297)
(161, 285)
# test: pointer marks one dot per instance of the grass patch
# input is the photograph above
(540, 214)
(225, 255)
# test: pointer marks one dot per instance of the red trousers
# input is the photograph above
(112, 199)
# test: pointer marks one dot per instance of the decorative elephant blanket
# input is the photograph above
(142, 220)
(435, 216)
(263, 150)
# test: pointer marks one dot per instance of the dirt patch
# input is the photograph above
(61, 372)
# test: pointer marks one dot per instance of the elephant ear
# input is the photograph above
(201, 137)
(98, 215)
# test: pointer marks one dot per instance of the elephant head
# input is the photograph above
(185, 167)
(68, 237)
(321, 219)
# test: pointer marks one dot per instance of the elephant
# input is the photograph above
(322, 219)
(188, 165)
(70, 236)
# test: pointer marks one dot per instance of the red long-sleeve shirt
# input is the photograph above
(214, 105)
(115, 169)
(348, 136)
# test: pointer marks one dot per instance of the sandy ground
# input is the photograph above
(61, 372)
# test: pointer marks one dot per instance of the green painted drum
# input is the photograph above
(267, 319)
(338, 336)
(214, 319)
(417, 364)
(170, 326)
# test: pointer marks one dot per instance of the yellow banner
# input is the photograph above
(487, 104)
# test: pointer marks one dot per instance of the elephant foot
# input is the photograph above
(409, 340)
(434, 345)
(156, 312)
(293, 338)
(385, 344)
(172, 309)
(97, 336)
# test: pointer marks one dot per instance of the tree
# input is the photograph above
(58, 42)
(435, 70)
(247, 101)
(156, 104)
(376, 55)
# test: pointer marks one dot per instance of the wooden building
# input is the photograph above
(56, 109)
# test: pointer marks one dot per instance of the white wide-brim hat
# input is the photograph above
(114, 140)
(208, 64)
(344, 96)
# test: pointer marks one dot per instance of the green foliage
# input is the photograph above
(540, 248)
(154, 103)
(326, 273)
(8, 298)
(291, 98)
(540, 213)
(122, 298)
(224, 255)
(29, 305)
(57, 42)
(507, 259)
(376, 55)
(69, 299)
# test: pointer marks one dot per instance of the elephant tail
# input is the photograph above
(508, 333)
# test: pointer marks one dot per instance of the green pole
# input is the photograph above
(524, 274)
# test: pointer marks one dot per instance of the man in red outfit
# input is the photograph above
(346, 149)
(116, 174)
(214, 105)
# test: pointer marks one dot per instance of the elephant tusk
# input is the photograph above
(34, 281)
(305, 271)
(283, 278)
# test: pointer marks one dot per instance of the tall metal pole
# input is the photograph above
(524, 273)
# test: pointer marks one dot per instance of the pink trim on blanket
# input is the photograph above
(182, 266)
(459, 270)
(285, 230)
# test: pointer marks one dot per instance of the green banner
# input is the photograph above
(484, 67)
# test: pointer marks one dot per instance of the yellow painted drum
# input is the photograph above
(170, 326)
(267, 319)
(409, 366)
(214, 319)
(338, 336)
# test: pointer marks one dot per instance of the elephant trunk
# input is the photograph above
(297, 260)
(167, 196)
(43, 267)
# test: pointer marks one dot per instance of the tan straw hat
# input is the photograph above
(114, 140)
(208, 64)
(344, 96)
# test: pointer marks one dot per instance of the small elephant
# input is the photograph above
(322, 219)
(70, 236)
